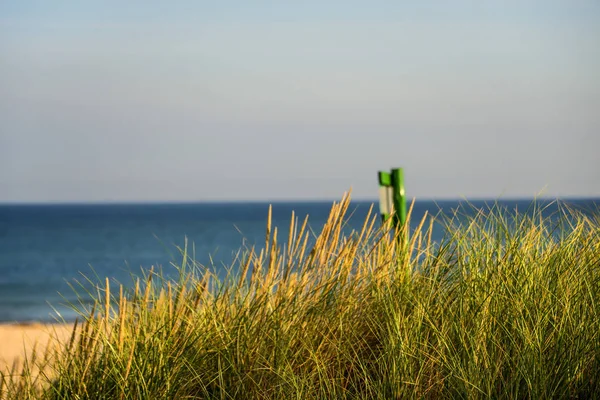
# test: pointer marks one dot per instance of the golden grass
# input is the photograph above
(505, 306)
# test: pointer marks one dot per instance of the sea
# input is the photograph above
(52, 255)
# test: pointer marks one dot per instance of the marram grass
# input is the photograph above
(507, 305)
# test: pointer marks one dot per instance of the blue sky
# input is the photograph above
(185, 101)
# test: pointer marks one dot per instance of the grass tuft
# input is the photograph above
(506, 305)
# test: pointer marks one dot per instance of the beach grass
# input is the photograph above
(506, 305)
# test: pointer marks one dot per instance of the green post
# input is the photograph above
(399, 196)
(385, 200)
(392, 196)
(392, 201)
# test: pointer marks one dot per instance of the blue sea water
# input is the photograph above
(46, 248)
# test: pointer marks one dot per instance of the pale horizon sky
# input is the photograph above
(264, 100)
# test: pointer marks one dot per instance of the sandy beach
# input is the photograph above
(18, 340)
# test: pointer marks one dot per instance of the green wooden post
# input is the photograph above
(385, 198)
(392, 196)
(399, 196)
(393, 200)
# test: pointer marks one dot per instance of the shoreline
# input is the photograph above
(18, 340)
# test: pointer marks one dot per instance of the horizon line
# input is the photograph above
(280, 201)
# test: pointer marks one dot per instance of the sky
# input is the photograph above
(114, 101)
